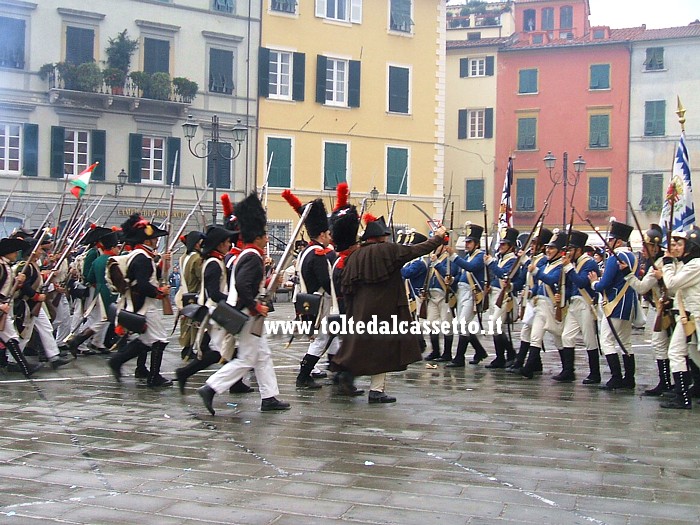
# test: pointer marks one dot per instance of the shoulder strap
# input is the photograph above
(608, 307)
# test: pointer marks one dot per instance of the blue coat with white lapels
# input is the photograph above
(613, 282)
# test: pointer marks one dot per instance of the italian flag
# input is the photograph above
(80, 183)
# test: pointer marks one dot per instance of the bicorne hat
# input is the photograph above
(215, 235)
(136, 229)
(11, 245)
(374, 227)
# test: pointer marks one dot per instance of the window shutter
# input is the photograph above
(488, 123)
(462, 124)
(79, 45)
(58, 139)
(98, 152)
(264, 72)
(173, 153)
(335, 165)
(463, 67)
(356, 11)
(135, 154)
(298, 73)
(398, 89)
(223, 169)
(321, 10)
(280, 170)
(354, 84)
(490, 66)
(220, 71)
(156, 56)
(321, 78)
(30, 150)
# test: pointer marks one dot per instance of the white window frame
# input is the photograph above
(476, 123)
(279, 86)
(148, 163)
(339, 80)
(72, 146)
(353, 10)
(477, 67)
(6, 149)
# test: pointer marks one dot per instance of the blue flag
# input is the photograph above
(679, 195)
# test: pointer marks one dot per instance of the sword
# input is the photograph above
(430, 219)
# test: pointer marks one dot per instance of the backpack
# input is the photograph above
(116, 271)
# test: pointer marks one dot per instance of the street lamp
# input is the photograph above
(216, 148)
(579, 165)
(374, 195)
(121, 178)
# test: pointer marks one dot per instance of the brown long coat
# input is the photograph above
(372, 285)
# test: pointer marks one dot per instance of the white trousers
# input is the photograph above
(377, 382)
(465, 303)
(544, 321)
(579, 320)
(43, 327)
(62, 321)
(607, 339)
(155, 327)
(253, 353)
(679, 348)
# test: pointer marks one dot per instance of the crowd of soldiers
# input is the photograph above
(110, 295)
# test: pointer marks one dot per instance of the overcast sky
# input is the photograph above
(653, 13)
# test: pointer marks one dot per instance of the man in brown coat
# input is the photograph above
(373, 288)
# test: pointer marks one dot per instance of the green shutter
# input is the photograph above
(30, 150)
(599, 134)
(354, 84)
(321, 63)
(135, 155)
(525, 195)
(655, 118)
(652, 191)
(156, 56)
(527, 132)
(222, 163)
(598, 193)
(334, 165)
(474, 192)
(490, 66)
(173, 152)
(396, 163)
(281, 168)
(488, 123)
(463, 67)
(528, 81)
(80, 44)
(462, 124)
(98, 152)
(220, 71)
(298, 74)
(600, 76)
(398, 89)
(264, 72)
(58, 147)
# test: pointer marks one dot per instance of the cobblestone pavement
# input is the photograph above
(460, 446)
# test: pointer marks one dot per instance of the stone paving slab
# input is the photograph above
(461, 446)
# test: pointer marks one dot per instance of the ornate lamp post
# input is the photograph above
(216, 149)
(119, 186)
(579, 165)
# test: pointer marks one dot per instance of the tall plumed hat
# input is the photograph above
(654, 234)
(578, 239)
(317, 219)
(191, 239)
(620, 230)
(230, 220)
(252, 220)
(136, 229)
(344, 221)
(374, 227)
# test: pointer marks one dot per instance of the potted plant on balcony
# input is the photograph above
(142, 81)
(88, 77)
(160, 87)
(120, 50)
(115, 79)
(186, 88)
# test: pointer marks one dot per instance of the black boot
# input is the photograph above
(239, 387)
(682, 399)
(500, 361)
(304, 379)
(664, 366)
(520, 358)
(594, 367)
(207, 394)
(510, 352)
(13, 346)
(447, 352)
(141, 371)
(615, 380)
(154, 377)
(435, 345)
(528, 370)
(134, 349)
(458, 361)
(479, 351)
(74, 342)
(567, 374)
(192, 367)
(630, 367)
(695, 375)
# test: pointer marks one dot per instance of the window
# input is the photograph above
(223, 6)
(527, 81)
(538, 38)
(400, 17)
(284, 6)
(598, 34)
(12, 42)
(474, 194)
(527, 133)
(398, 89)
(566, 17)
(335, 162)
(220, 71)
(600, 76)
(525, 193)
(79, 45)
(547, 19)
(529, 23)
(152, 157)
(280, 150)
(76, 152)
(280, 74)
(10, 148)
(599, 131)
(156, 55)
(655, 59)
(476, 67)
(344, 10)
(654, 118)
(338, 82)
(474, 35)
(397, 171)
(73, 150)
(598, 193)
(278, 232)
(475, 124)
(652, 191)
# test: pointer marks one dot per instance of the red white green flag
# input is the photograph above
(80, 183)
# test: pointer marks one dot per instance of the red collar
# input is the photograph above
(109, 252)
(235, 250)
(216, 254)
(251, 245)
(147, 249)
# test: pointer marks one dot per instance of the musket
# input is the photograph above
(448, 277)
(69, 223)
(605, 242)
(148, 195)
(265, 192)
(172, 244)
(167, 305)
(63, 200)
(45, 222)
(390, 223)
(155, 212)
(201, 209)
(559, 308)
(265, 297)
(110, 214)
(7, 200)
(487, 274)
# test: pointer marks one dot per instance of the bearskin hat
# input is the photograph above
(317, 219)
(252, 220)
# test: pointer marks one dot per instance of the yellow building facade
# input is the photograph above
(352, 90)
